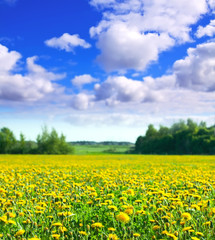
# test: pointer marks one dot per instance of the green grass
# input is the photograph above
(101, 149)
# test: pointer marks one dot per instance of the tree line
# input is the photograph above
(181, 138)
(48, 142)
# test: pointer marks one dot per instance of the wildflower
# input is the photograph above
(58, 224)
(156, 227)
(111, 207)
(136, 235)
(83, 233)
(3, 219)
(97, 225)
(129, 210)
(19, 233)
(172, 236)
(62, 229)
(112, 237)
(56, 236)
(207, 223)
(123, 217)
(186, 216)
(111, 229)
(199, 234)
(186, 229)
(11, 222)
(130, 192)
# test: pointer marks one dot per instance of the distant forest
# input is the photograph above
(181, 138)
(48, 142)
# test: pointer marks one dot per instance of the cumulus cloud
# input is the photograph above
(197, 70)
(8, 59)
(212, 4)
(133, 33)
(32, 86)
(125, 48)
(191, 80)
(209, 30)
(81, 101)
(120, 89)
(67, 42)
(84, 79)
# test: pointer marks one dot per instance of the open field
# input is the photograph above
(101, 149)
(107, 197)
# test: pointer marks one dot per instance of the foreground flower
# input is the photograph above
(97, 225)
(123, 217)
(112, 237)
(19, 233)
(83, 233)
(186, 216)
(56, 236)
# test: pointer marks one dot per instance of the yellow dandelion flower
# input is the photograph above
(136, 235)
(112, 237)
(186, 229)
(123, 217)
(186, 216)
(19, 233)
(111, 229)
(58, 224)
(199, 234)
(156, 227)
(97, 225)
(83, 233)
(56, 236)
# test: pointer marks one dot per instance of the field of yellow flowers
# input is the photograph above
(107, 197)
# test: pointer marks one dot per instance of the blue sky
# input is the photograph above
(105, 69)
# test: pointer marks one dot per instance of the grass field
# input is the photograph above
(107, 197)
(101, 149)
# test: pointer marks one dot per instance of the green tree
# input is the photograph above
(7, 140)
(151, 131)
(52, 143)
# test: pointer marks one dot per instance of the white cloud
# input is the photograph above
(8, 59)
(125, 48)
(81, 101)
(120, 89)
(67, 42)
(197, 70)
(212, 4)
(84, 79)
(29, 87)
(133, 33)
(209, 30)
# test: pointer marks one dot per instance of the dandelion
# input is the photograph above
(19, 233)
(83, 233)
(97, 225)
(123, 217)
(186, 216)
(112, 237)
(156, 227)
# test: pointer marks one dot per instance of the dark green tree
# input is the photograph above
(52, 143)
(7, 140)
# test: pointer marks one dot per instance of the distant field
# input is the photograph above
(101, 149)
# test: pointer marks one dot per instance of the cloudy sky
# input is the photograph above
(105, 69)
